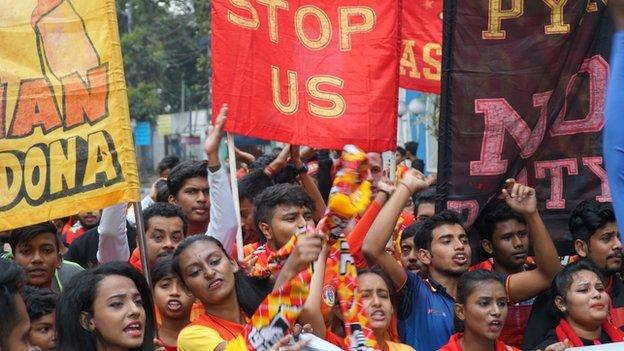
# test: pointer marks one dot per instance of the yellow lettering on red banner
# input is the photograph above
(293, 95)
(556, 25)
(421, 49)
(63, 169)
(251, 22)
(408, 60)
(367, 23)
(324, 24)
(272, 6)
(436, 72)
(300, 63)
(496, 15)
(338, 104)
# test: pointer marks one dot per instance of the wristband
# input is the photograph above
(407, 187)
(302, 169)
(384, 191)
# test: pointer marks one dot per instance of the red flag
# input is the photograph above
(421, 50)
(322, 73)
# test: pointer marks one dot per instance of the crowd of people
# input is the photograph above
(78, 283)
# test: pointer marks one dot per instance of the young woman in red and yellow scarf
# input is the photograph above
(234, 309)
(375, 296)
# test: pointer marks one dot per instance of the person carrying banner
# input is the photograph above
(444, 249)
(481, 308)
(582, 305)
(307, 182)
(188, 190)
(84, 250)
(158, 193)
(215, 214)
(15, 323)
(505, 236)
(260, 178)
(165, 228)
(596, 238)
(36, 248)
(114, 239)
(249, 186)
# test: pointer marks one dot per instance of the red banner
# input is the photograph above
(421, 51)
(322, 73)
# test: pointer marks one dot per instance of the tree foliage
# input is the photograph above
(165, 43)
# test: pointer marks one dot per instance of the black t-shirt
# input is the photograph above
(551, 338)
(544, 317)
(83, 250)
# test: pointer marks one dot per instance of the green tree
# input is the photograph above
(164, 44)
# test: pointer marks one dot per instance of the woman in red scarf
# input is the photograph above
(482, 307)
(581, 299)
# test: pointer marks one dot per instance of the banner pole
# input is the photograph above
(389, 164)
(234, 184)
(140, 228)
(393, 166)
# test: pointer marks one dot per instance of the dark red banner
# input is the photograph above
(523, 97)
(322, 73)
(421, 48)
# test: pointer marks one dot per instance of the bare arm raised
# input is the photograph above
(380, 232)
(524, 285)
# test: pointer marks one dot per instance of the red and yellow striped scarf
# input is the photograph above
(349, 197)
(269, 262)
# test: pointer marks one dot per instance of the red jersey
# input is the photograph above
(518, 313)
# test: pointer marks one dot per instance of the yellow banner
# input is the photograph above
(65, 135)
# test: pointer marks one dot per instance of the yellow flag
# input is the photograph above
(65, 134)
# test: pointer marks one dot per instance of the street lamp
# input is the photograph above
(416, 106)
